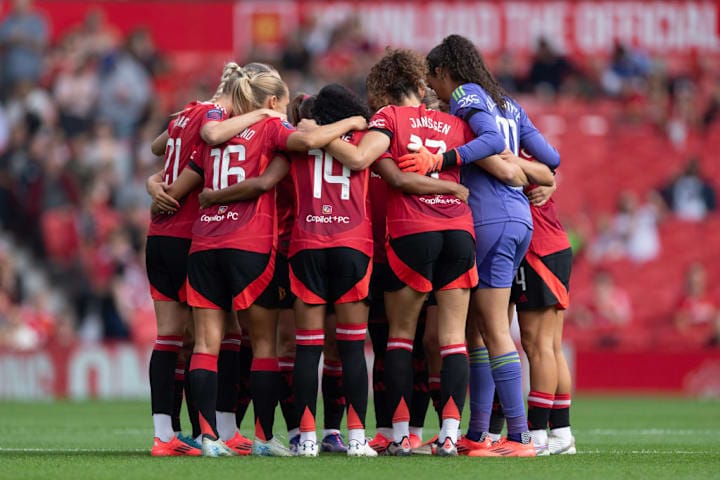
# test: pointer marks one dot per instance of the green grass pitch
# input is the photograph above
(616, 438)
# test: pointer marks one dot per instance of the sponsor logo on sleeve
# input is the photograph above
(214, 114)
(377, 123)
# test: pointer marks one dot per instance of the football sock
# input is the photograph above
(244, 358)
(434, 390)
(507, 373)
(162, 382)
(204, 384)
(421, 395)
(178, 395)
(333, 396)
(162, 424)
(193, 413)
(539, 406)
(399, 381)
(497, 418)
(482, 388)
(265, 384)
(309, 345)
(560, 413)
(228, 386)
(225, 422)
(287, 394)
(453, 388)
(379, 335)
(351, 347)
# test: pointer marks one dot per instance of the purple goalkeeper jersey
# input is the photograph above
(491, 200)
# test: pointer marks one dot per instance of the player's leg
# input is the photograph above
(245, 357)
(455, 275)
(537, 332)
(378, 330)
(286, 347)
(421, 395)
(332, 391)
(350, 272)
(309, 283)
(309, 338)
(166, 260)
(501, 248)
(412, 259)
(433, 359)
(229, 387)
(452, 314)
(561, 440)
(210, 299)
(403, 307)
(286, 360)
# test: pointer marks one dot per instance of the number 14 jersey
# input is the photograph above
(331, 203)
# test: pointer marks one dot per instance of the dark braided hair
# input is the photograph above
(464, 64)
(399, 74)
(335, 102)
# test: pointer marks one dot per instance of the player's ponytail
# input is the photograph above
(250, 91)
(464, 64)
(230, 73)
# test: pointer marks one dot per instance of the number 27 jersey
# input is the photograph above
(331, 203)
(408, 214)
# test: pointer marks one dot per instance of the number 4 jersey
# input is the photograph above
(245, 225)
(184, 140)
(331, 203)
(438, 132)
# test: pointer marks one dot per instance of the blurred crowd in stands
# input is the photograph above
(77, 116)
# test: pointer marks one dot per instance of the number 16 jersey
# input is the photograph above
(331, 203)
(244, 225)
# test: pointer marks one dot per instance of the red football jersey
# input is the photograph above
(331, 203)
(438, 132)
(377, 198)
(285, 212)
(246, 225)
(549, 236)
(183, 143)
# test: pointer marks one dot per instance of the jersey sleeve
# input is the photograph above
(213, 114)
(472, 104)
(279, 133)
(383, 121)
(536, 144)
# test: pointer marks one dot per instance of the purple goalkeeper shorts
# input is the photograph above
(500, 248)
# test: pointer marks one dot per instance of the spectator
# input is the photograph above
(689, 195)
(607, 312)
(626, 73)
(548, 70)
(636, 226)
(23, 37)
(697, 315)
(125, 93)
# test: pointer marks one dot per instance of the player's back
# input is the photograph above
(183, 142)
(438, 132)
(244, 156)
(331, 202)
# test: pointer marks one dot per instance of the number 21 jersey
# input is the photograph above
(184, 143)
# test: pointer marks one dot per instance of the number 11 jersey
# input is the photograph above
(331, 203)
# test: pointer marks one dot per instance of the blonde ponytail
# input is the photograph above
(230, 71)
